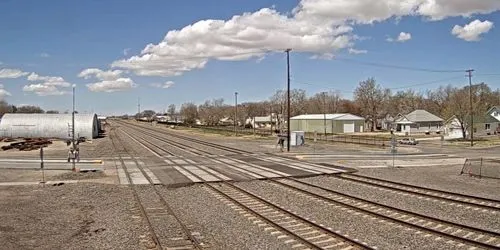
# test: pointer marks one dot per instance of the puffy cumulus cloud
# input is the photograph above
(109, 80)
(240, 38)
(100, 74)
(3, 93)
(441, 9)
(164, 85)
(357, 51)
(115, 85)
(472, 31)
(320, 27)
(46, 85)
(369, 11)
(402, 37)
(12, 73)
(44, 90)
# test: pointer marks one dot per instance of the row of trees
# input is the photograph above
(370, 100)
(29, 109)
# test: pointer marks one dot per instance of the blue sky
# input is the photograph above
(61, 39)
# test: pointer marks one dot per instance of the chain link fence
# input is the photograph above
(482, 167)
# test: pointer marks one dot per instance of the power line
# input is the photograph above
(393, 88)
(383, 65)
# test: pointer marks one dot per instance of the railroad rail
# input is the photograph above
(186, 138)
(154, 206)
(307, 233)
(476, 201)
(453, 231)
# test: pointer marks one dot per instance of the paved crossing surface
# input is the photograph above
(178, 170)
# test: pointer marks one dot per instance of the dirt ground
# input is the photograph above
(70, 216)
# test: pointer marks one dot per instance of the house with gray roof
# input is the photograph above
(488, 123)
(419, 121)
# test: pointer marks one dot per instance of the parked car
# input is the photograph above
(408, 141)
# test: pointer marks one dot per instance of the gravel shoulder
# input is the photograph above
(71, 216)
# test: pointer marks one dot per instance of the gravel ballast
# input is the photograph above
(219, 226)
(373, 232)
(443, 177)
(470, 217)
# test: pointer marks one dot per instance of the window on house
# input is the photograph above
(487, 126)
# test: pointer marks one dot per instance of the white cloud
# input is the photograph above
(43, 89)
(109, 80)
(472, 31)
(3, 93)
(46, 85)
(126, 51)
(402, 37)
(164, 85)
(357, 51)
(100, 74)
(321, 27)
(45, 55)
(12, 73)
(119, 84)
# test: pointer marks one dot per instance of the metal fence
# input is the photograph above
(341, 138)
(352, 139)
(482, 167)
(239, 130)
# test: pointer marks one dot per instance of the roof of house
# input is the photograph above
(262, 118)
(420, 115)
(337, 117)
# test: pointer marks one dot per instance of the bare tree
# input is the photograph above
(171, 109)
(458, 107)
(189, 112)
(29, 109)
(371, 99)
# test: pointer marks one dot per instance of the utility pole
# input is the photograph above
(471, 108)
(73, 131)
(235, 112)
(288, 99)
(324, 111)
(138, 108)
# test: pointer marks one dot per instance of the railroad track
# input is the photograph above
(458, 234)
(157, 213)
(186, 138)
(298, 232)
(487, 205)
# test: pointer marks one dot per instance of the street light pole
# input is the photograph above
(288, 99)
(471, 109)
(73, 130)
(235, 112)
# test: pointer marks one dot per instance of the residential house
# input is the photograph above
(419, 121)
(489, 123)
(452, 128)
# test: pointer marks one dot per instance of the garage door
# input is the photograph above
(349, 127)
